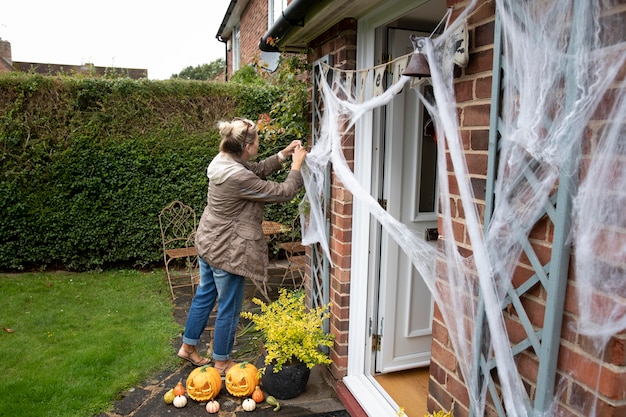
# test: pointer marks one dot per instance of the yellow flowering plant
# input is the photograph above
(290, 332)
(440, 414)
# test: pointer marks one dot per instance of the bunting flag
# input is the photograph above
(379, 78)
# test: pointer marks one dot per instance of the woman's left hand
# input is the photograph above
(288, 151)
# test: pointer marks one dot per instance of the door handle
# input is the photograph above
(431, 234)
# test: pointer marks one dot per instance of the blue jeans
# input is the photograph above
(228, 290)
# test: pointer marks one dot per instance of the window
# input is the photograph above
(275, 10)
(236, 48)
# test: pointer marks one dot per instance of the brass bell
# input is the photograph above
(418, 65)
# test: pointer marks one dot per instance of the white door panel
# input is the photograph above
(405, 303)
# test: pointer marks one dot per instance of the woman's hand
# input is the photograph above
(298, 155)
(288, 151)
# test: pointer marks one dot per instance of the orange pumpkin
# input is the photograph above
(257, 395)
(179, 389)
(204, 383)
(241, 379)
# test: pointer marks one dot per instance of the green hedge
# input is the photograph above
(88, 164)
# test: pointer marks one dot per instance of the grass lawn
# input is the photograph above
(70, 342)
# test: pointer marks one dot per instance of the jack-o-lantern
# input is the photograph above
(204, 383)
(241, 379)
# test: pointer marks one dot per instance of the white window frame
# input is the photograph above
(274, 11)
(236, 51)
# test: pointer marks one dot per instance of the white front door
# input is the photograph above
(397, 163)
(405, 310)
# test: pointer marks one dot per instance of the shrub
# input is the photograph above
(88, 163)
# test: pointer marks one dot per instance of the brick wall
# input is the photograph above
(473, 92)
(580, 369)
(340, 42)
(254, 22)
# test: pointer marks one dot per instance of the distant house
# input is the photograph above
(383, 317)
(244, 23)
(8, 65)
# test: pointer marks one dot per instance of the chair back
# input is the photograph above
(178, 223)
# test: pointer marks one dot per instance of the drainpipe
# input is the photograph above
(292, 16)
(225, 57)
(229, 11)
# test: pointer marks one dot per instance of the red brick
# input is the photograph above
(527, 367)
(610, 383)
(480, 62)
(440, 395)
(615, 351)
(457, 390)
(479, 140)
(459, 231)
(476, 163)
(437, 373)
(479, 187)
(440, 333)
(465, 139)
(463, 91)
(483, 88)
(485, 9)
(444, 356)
(476, 115)
(483, 34)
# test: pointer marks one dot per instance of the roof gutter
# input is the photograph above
(292, 16)
(229, 12)
(218, 36)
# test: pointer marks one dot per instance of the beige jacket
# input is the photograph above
(229, 235)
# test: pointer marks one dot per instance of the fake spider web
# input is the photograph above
(563, 108)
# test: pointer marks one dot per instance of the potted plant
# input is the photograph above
(292, 337)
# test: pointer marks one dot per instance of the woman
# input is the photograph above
(229, 239)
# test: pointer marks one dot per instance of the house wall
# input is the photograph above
(253, 24)
(340, 42)
(578, 369)
(473, 94)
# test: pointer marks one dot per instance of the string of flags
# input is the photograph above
(354, 83)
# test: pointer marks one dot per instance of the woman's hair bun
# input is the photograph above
(225, 128)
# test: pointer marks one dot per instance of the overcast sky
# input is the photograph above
(163, 37)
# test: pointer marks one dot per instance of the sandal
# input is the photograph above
(223, 369)
(187, 355)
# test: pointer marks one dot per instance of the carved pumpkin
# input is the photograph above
(204, 383)
(241, 379)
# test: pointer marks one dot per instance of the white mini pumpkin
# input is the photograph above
(212, 407)
(248, 404)
(180, 401)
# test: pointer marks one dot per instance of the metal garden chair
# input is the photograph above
(178, 227)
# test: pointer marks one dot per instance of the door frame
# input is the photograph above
(359, 379)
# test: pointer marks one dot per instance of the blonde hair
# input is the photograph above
(236, 135)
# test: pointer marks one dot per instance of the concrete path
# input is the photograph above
(319, 398)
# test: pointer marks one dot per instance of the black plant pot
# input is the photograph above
(287, 383)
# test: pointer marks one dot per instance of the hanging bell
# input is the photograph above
(418, 65)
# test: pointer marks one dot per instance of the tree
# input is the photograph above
(203, 72)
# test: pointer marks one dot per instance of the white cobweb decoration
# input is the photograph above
(563, 116)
